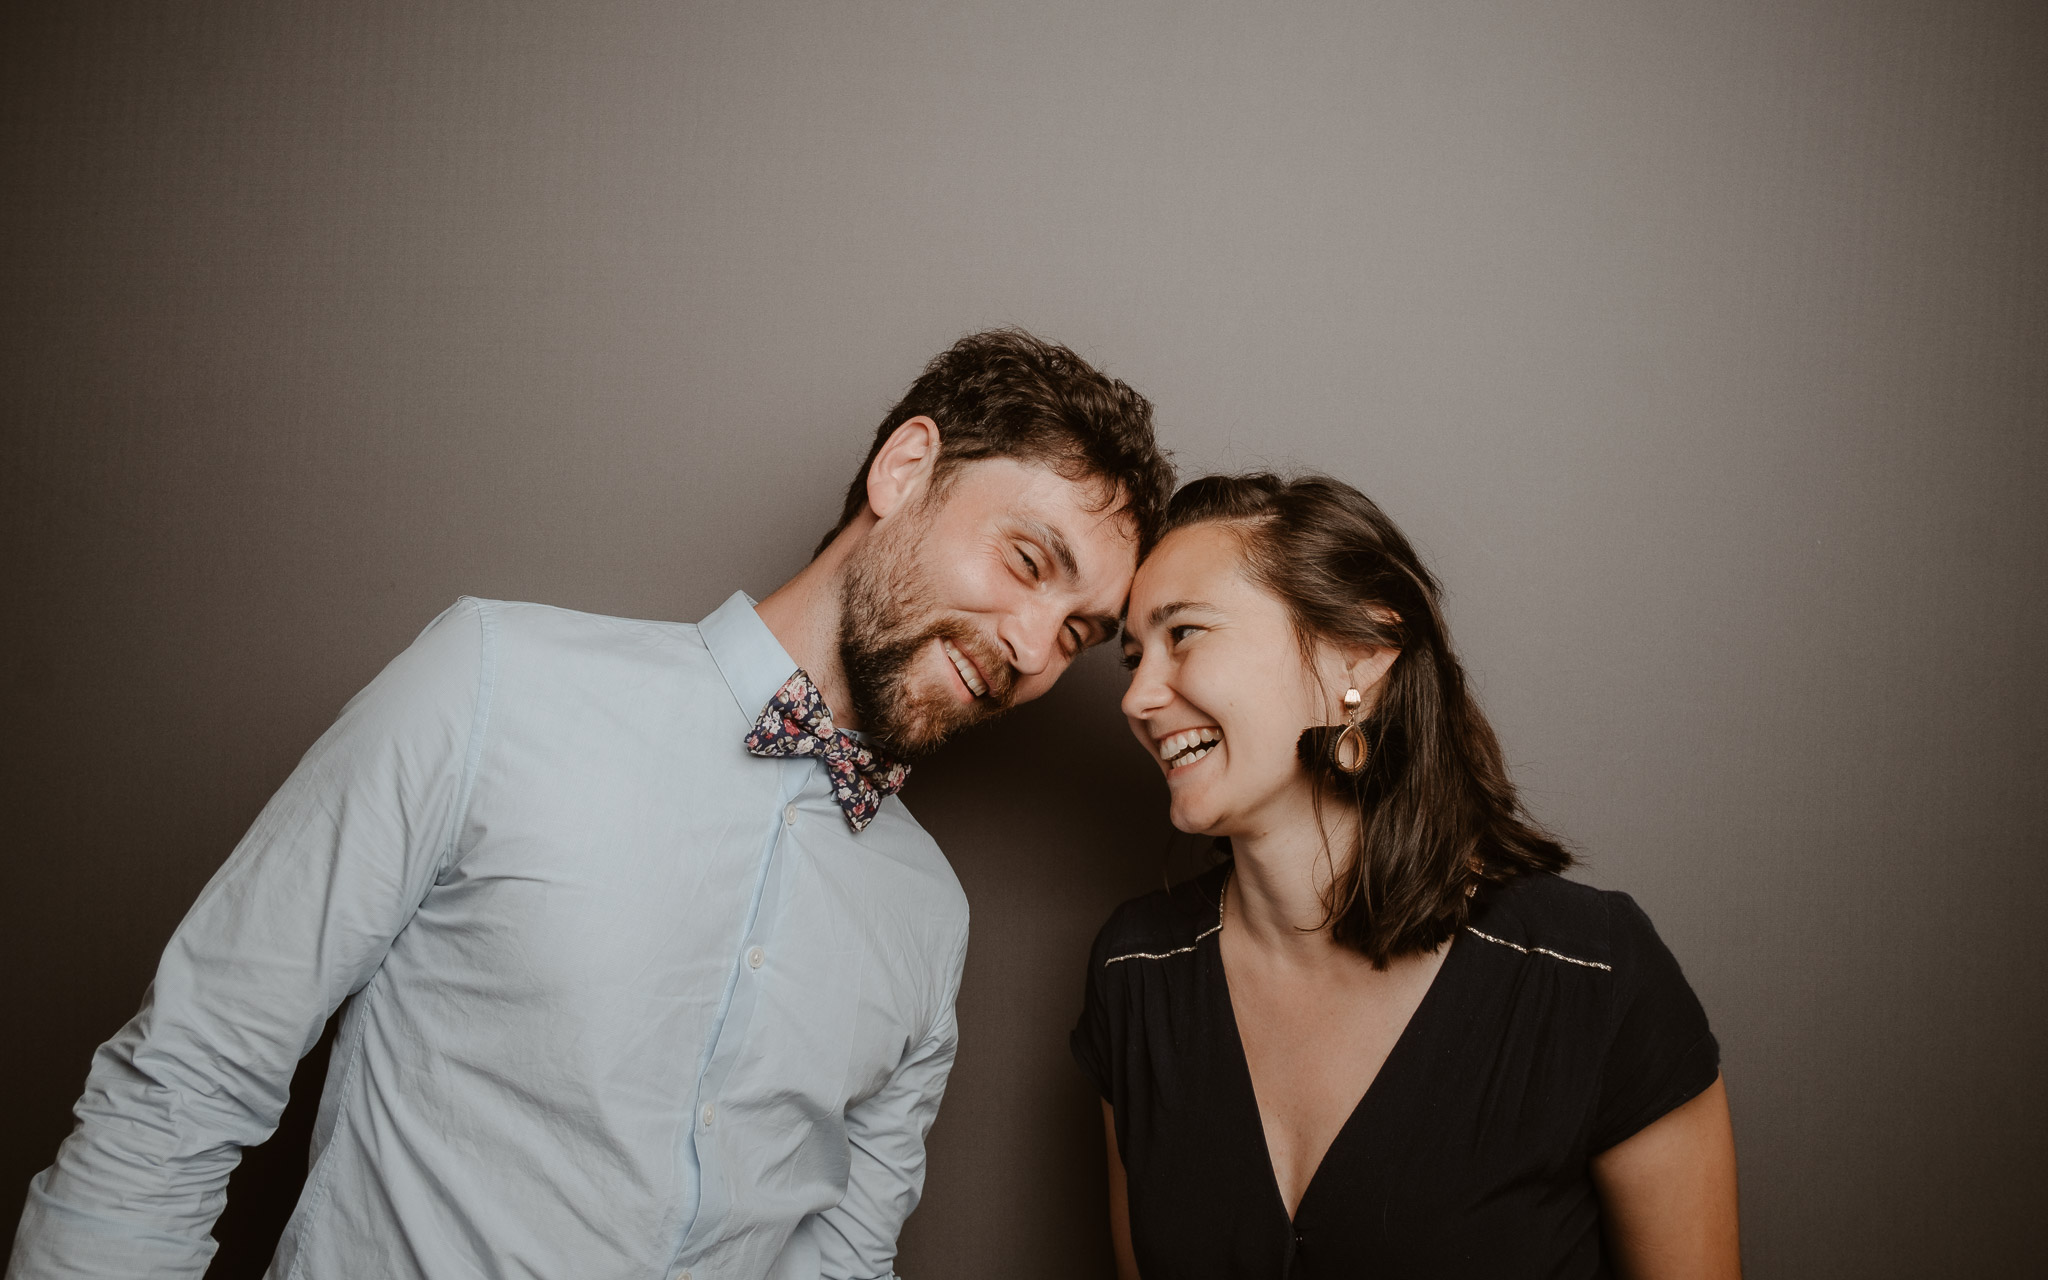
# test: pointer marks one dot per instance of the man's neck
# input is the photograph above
(803, 615)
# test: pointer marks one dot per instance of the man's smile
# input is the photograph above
(970, 675)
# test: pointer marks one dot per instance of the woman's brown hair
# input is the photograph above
(1437, 814)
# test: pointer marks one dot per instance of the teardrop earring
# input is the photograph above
(1350, 752)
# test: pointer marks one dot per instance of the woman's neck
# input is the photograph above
(1282, 872)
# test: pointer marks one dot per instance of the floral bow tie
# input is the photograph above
(797, 723)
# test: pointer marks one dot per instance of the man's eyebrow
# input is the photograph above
(1052, 540)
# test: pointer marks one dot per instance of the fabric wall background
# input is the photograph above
(1699, 346)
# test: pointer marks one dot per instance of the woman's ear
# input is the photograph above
(1361, 668)
(1368, 667)
(903, 466)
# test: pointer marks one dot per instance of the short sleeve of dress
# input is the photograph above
(1663, 1053)
(1091, 1038)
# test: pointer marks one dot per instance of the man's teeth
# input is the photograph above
(1189, 745)
(968, 675)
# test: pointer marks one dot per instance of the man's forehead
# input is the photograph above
(1046, 480)
(1087, 512)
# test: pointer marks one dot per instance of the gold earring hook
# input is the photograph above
(1350, 752)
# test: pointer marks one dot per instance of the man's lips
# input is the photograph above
(970, 674)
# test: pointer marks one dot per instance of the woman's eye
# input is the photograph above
(1130, 661)
(1178, 634)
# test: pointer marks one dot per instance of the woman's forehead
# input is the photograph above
(1199, 562)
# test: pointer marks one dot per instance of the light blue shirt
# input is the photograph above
(628, 1000)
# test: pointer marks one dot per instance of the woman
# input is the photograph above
(1384, 1037)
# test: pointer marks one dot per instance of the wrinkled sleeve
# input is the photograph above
(297, 919)
(856, 1239)
(1662, 1054)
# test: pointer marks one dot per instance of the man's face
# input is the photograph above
(969, 602)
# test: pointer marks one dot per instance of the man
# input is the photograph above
(651, 976)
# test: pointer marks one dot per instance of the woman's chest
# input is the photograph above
(1314, 1042)
(1464, 1146)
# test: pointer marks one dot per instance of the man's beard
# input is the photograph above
(887, 620)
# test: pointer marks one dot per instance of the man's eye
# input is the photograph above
(1029, 563)
(1074, 637)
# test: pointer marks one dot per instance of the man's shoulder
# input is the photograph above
(549, 627)
(542, 646)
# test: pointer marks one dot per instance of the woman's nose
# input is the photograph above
(1147, 694)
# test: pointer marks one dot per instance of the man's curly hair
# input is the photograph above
(1007, 394)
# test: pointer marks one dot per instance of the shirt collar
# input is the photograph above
(748, 655)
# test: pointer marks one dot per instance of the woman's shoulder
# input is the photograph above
(1546, 915)
(1163, 924)
(1656, 1047)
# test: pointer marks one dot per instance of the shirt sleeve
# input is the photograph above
(1090, 1039)
(1663, 1054)
(298, 918)
(856, 1239)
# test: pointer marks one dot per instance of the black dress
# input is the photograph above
(1557, 1026)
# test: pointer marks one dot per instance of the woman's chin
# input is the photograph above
(1194, 820)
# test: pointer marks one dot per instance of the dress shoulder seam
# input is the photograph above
(1178, 951)
(1162, 955)
(1539, 951)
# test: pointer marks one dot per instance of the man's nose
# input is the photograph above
(1032, 637)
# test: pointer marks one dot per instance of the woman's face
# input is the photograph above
(1219, 693)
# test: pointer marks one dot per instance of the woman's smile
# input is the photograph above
(1179, 750)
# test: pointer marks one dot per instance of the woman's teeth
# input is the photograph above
(968, 675)
(1188, 746)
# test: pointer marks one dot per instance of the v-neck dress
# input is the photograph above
(1558, 1025)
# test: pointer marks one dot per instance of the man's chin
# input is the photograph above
(930, 724)
(916, 741)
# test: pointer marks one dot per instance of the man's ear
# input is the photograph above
(902, 470)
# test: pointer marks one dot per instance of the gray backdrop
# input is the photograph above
(1700, 346)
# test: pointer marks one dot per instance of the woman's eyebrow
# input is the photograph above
(1173, 607)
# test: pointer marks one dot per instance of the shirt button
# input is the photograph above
(755, 957)
(709, 1115)
(682, 1275)
(789, 813)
